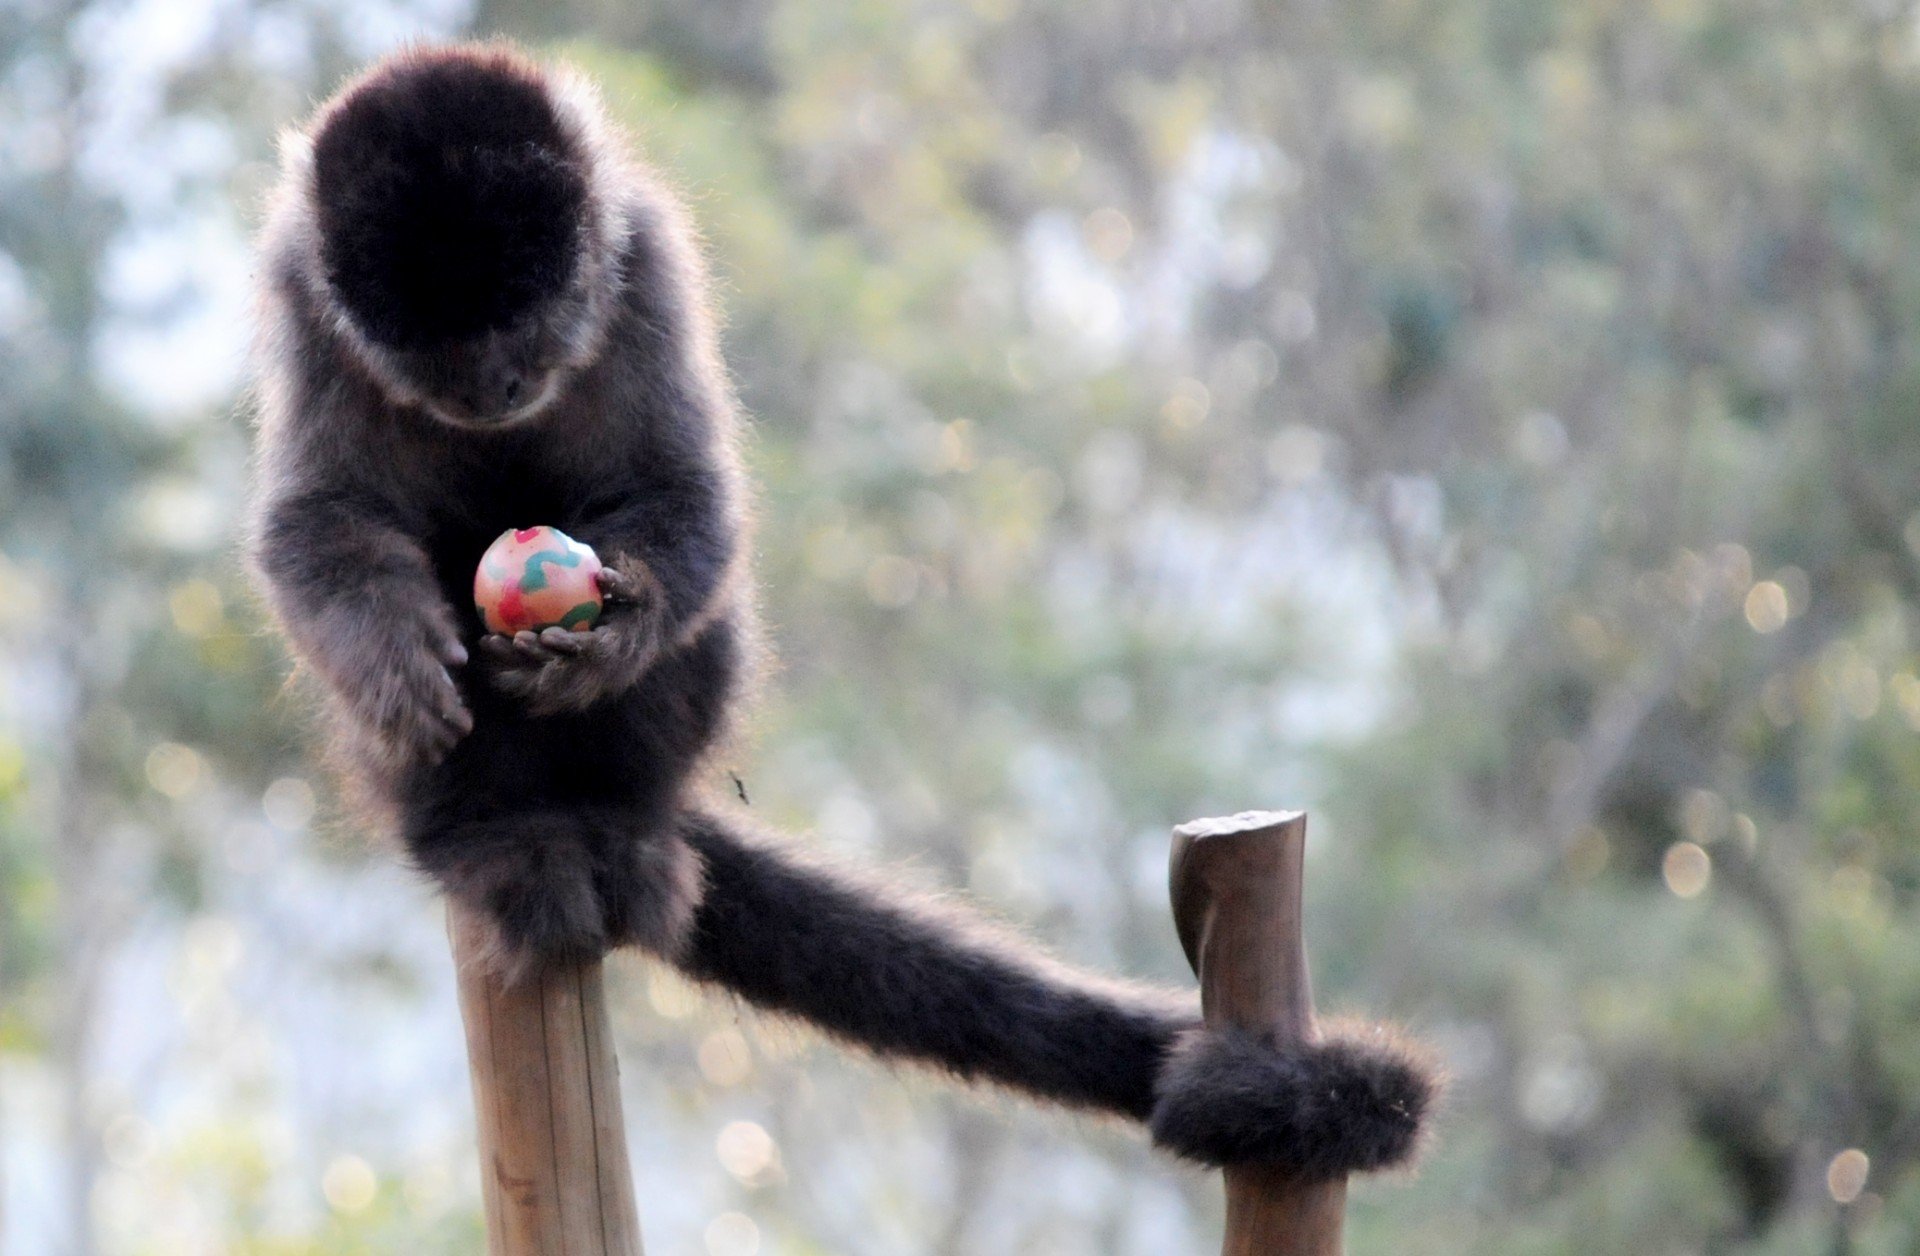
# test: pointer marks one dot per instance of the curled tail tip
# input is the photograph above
(1354, 1102)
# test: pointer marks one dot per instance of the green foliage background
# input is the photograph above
(1489, 425)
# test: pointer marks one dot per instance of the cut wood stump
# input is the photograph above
(1236, 885)
(546, 1097)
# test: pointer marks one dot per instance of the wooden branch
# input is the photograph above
(546, 1094)
(1236, 885)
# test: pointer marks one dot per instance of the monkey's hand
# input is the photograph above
(402, 688)
(555, 670)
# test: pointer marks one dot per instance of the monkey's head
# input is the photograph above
(458, 234)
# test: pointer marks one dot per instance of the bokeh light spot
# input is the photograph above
(745, 1149)
(724, 1058)
(670, 995)
(288, 804)
(1766, 607)
(174, 770)
(1847, 1175)
(196, 607)
(732, 1234)
(1187, 406)
(349, 1185)
(1687, 868)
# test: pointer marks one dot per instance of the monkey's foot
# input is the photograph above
(649, 887)
(532, 880)
(1352, 1102)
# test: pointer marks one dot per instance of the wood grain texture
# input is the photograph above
(1236, 884)
(546, 1097)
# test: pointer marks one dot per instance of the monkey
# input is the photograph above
(477, 309)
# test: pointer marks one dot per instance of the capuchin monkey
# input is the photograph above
(478, 311)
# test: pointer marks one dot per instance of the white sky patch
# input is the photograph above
(1224, 580)
(131, 52)
(182, 514)
(1070, 295)
(176, 341)
(1219, 226)
(379, 28)
(1208, 238)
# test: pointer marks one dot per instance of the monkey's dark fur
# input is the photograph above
(478, 312)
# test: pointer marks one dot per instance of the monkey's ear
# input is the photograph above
(449, 195)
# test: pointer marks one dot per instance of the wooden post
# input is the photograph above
(546, 1095)
(1236, 903)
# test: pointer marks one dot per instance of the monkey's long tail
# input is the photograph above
(910, 976)
(915, 978)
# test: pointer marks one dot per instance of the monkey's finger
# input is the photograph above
(433, 737)
(560, 641)
(449, 651)
(528, 644)
(451, 708)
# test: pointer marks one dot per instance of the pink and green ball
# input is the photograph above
(534, 578)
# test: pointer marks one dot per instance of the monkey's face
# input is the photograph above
(456, 233)
(491, 380)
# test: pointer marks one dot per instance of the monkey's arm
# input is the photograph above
(917, 980)
(668, 546)
(357, 599)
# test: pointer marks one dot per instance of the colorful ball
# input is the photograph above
(534, 578)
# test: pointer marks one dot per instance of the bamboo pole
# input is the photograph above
(546, 1097)
(1236, 886)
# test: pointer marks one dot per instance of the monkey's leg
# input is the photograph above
(917, 980)
(564, 883)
